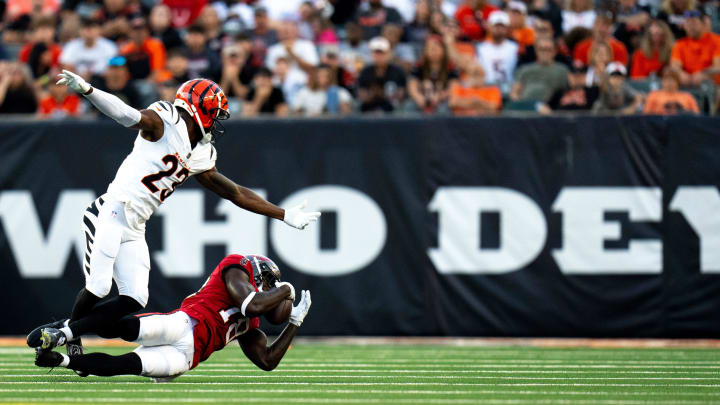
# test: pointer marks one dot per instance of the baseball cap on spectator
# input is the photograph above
(616, 68)
(499, 17)
(117, 61)
(260, 10)
(518, 6)
(694, 13)
(263, 71)
(380, 44)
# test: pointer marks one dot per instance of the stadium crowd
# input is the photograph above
(335, 57)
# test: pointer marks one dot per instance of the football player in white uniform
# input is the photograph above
(175, 142)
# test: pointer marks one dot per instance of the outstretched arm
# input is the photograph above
(254, 342)
(148, 121)
(247, 199)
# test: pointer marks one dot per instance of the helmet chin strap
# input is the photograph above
(207, 137)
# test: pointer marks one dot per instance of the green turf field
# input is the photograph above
(395, 374)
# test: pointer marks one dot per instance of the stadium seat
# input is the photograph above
(521, 105)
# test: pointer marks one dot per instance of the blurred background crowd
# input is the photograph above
(337, 57)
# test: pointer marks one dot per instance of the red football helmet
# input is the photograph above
(205, 101)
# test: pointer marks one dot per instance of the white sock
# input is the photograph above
(66, 360)
(68, 333)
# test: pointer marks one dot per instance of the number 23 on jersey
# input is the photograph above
(181, 176)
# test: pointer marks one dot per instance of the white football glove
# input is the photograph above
(279, 284)
(296, 218)
(300, 311)
(75, 82)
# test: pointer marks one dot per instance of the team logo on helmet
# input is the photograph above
(205, 101)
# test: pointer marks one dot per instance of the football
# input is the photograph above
(280, 314)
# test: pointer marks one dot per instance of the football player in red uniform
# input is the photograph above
(226, 308)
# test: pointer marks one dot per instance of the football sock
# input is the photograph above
(84, 303)
(105, 365)
(68, 333)
(65, 360)
(127, 328)
(104, 315)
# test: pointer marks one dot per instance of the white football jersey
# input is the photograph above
(498, 60)
(152, 171)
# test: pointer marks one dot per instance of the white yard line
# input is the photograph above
(359, 401)
(279, 371)
(360, 390)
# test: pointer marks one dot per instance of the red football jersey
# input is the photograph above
(219, 320)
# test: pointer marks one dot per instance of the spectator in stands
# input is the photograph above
(577, 97)
(381, 73)
(162, 29)
(600, 57)
(540, 80)
(354, 51)
(472, 97)
(263, 97)
(471, 17)
(168, 89)
(548, 10)
(670, 100)
(697, 56)
(403, 53)
(430, 82)
(41, 53)
(673, 13)
(116, 81)
(177, 65)
(578, 13)
(261, 34)
(306, 13)
(631, 20)
(321, 95)
(498, 55)
(144, 54)
(59, 102)
(419, 27)
(653, 54)
(340, 75)
(210, 22)
(237, 71)
(519, 32)
(290, 81)
(17, 93)
(301, 53)
(375, 16)
(89, 54)
(202, 62)
(116, 15)
(616, 96)
(601, 33)
(544, 30)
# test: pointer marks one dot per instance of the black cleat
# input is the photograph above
(74, 348)
(51, 338)
(33, 339)
(47, 358)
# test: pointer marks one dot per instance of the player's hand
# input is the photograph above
(296, 218)
(279, 284)
(75, 82)
(300, 311)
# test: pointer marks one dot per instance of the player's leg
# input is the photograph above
(100, 364)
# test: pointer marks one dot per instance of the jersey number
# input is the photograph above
(182, 175)
(235, 329)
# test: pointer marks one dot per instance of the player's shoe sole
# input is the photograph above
(33, 339)
(75, 348)
(51, 338)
